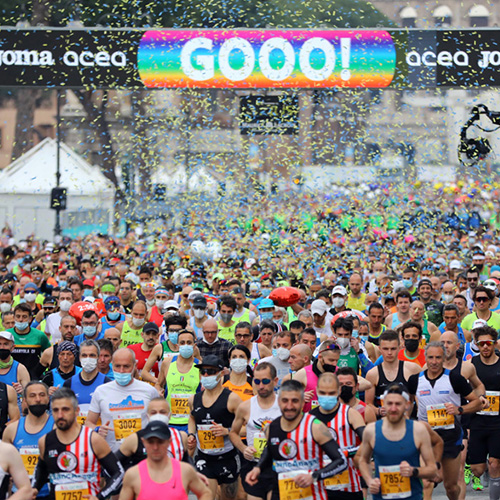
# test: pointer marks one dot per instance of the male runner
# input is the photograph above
(72, 456)
(397, 446)
(297, 443)
(160, 476)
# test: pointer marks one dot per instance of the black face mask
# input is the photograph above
(4, 354)
(346, 393)
(329, 368)
(411, 344)
(38, 410)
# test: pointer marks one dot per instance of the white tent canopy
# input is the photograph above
(35, 172)
(26, 184)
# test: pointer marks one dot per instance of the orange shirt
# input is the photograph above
(420, 359)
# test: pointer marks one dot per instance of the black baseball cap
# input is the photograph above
(151, 327)
(424, 281)
(200, 301)
(211, 360)
(157, 429)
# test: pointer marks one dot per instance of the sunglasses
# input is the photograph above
(482, 299)
(242, 335)
(208, 371)
(482, 343)
(263, 381)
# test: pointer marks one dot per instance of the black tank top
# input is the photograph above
(490, 377)
(384, 383)
(4, 407)
(139, 454)
(217, 413)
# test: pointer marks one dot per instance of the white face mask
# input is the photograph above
(342, 342)
(160, 417)
(65, 305)
(4, 307)
(210, 343)
(199, 313)
(138, 322)
(30, 296)
(150, 302)
(337, 302)
(238, 365)
(160, 303)
(88, 364)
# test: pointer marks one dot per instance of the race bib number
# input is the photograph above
(392, 483)
(494, 401)
(259, 443)
(438, 417)
(71, 491)
(208, 440)
(338, 482)
(30, 456)
(289, 490)
(180, 405)
(126, 424)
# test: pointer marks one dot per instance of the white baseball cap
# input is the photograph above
(319, 307)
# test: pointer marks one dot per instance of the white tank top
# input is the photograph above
(259, 418)
(254, 355)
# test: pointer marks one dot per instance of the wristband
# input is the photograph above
(415, 472)
(192, 434)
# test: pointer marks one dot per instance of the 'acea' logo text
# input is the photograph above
(70, 58)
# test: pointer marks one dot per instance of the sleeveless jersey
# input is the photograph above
(490, 377)
(156, 317)
(350, 359)
(59, 379)
(254, 355)
(227, 332)
(106, 325)
(208, 444)
(244, 391)
(429, 397)
(388, 455)
(173, 489)
(130, 335)
(346, 437)
(297, 451)
(384, 382)
(175, 450)
(245, 316)
(375, 340)
(361, 409)
(178, 388)
(395, 321)
(198, 331)
(142, 356)
(27, 445)
(72, 464)
(4, 406)
(311, 384)
(11, 376)
(166, 349)
(84, 392)
(420, 359)
(469, 353)
(258, 419)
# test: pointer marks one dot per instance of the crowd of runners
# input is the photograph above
(336, 356)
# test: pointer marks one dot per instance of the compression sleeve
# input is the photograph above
(114, 471)
(338, 461)
(41, 475)
(359, 431)
(266, 460)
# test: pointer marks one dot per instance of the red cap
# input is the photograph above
(88, 283)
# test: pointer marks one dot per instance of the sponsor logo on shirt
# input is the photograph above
(425, 393)
(128, 404)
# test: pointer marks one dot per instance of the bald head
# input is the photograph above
(114, 336)
(210, 330)
(300, 356)
(124, 360)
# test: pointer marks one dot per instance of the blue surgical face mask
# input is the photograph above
(265, 292)
(275, 353)
(173, 337)
(89, 331)
(114, 315)
(279, 321)
(209, 382)
(186, 351)
(122, 378)
(63, 284)
(21, 326)
(327, 402)
(87, 292)
(408, 283)
(266, 315)
(363, 338)
(355, 334)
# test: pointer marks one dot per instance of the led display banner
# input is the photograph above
(247, 59)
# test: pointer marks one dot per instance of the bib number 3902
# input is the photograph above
(392, 484)
(289, 490)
